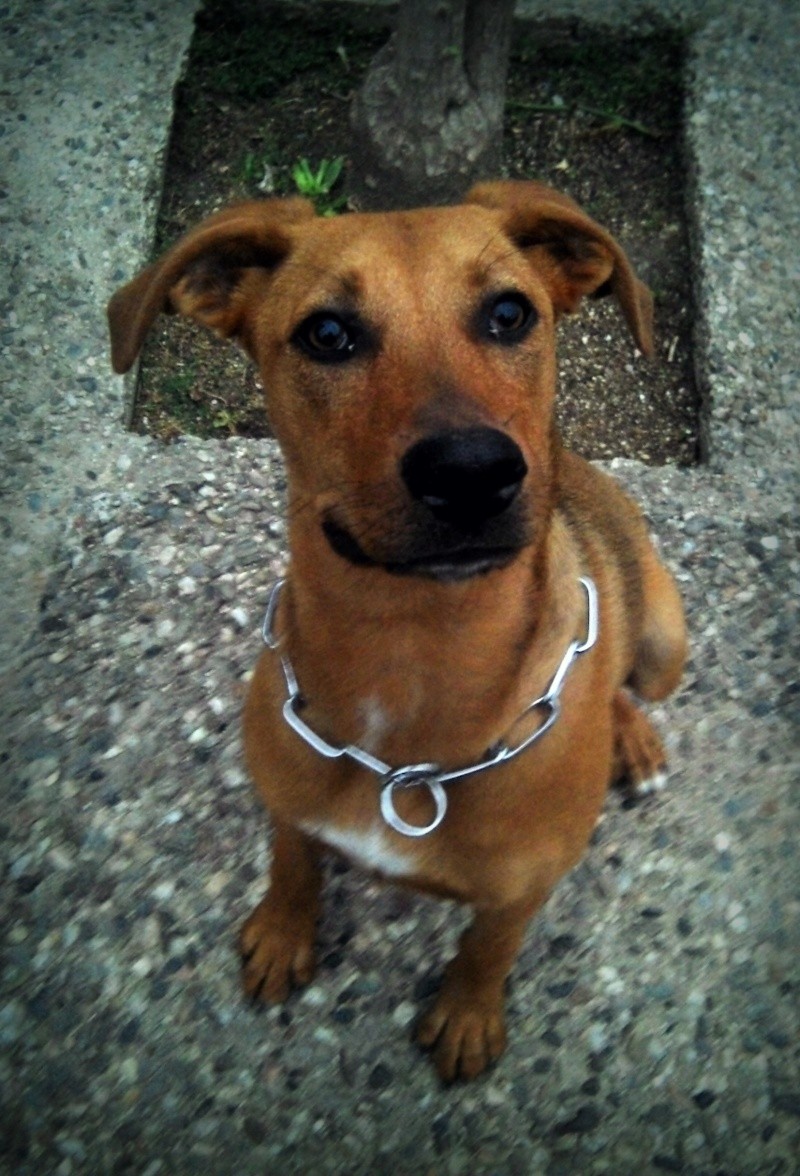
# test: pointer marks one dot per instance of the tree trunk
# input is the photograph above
(428, 120)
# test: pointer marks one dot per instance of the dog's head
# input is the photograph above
(408, 357)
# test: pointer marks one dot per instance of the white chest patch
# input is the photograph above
(369, 848)
(376, 724)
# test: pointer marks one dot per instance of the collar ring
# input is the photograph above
(416, 776)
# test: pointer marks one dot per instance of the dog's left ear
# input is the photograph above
(574, 255)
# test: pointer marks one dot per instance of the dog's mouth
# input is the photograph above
(457, 565)
(447, 565)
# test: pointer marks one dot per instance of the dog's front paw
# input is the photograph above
(464, 1035)
(277, 953)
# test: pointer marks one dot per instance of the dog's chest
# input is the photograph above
(369, 848)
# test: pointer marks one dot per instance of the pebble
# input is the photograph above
(404, 1014)
(380, 1077)
(586, 1118)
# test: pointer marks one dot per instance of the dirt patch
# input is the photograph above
(600, 118)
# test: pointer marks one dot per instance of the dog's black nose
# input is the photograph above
(464, 476)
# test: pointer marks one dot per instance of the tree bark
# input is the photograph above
(428, 120)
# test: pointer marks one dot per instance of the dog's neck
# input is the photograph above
(411, 669)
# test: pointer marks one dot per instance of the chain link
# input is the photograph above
(429, 776)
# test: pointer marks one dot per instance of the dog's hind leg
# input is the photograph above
(639, 760)
(277, 941)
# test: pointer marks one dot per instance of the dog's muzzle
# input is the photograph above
(464, 515)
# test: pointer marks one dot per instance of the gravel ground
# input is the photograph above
(653, 1013)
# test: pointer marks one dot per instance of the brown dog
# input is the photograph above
(466, 601)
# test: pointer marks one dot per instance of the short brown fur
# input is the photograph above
(430, 667)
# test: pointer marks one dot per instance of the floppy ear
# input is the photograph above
(574, 255)
(207, 275)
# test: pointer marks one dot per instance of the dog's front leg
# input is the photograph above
(465, 1028)
(277, 941)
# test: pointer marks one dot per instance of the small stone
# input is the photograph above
(597, 1037)
(72, 1148)
(565, 988)
(217, 883)
(380, 1077)
(667, 1163)
(404, 1014)
(561, 944)
(254, 1129)
(129, 1031)
(788, 1103)
(20, 865)
(586, 1119)
(704, 1098)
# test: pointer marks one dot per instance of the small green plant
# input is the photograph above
(317, 185)
(256, 172)
(252, 168)
(177, 386)
(225, 420)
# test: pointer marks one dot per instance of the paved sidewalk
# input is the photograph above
(654, 1010)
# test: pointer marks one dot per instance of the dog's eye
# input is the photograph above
(326, 337)
(508, 317)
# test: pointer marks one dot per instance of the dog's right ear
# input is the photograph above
(208, 275)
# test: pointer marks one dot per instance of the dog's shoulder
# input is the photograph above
(593, 501)
(606, 524)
